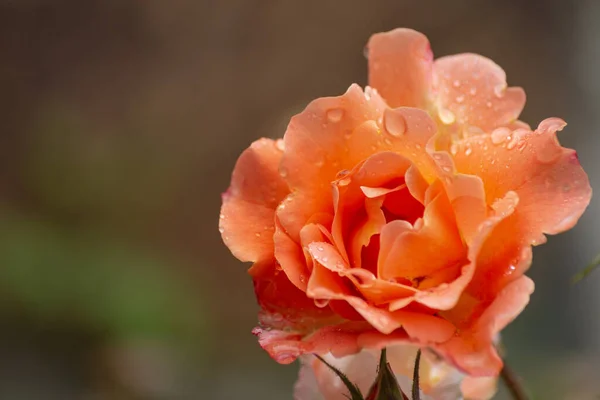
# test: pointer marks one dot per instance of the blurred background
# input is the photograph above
(120, 123)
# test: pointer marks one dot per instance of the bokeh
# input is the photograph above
(120, 123)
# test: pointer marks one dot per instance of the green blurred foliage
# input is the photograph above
(55, 274)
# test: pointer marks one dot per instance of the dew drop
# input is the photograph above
(446, 116)
(319, 163)
(257, 234)
(280, 145)
(454, 149)
(321, 303)
(283, 172)
(446, 168)
(488, 104)
(511, 145)
(394, 123)
(499, 90)
(388, 141)
(335, 114)
(460, 99)
(468, 151)
(221, 229)
(473, 91)
(500, 135)
(456, 83)
(566, 188)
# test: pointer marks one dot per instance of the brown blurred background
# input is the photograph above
(120, 124)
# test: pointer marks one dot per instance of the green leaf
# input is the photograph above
(587, 270)
(352, 388)
(386, 386)
(416, 395)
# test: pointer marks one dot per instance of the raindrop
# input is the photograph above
(446, 116)
(460, 99)
(320, 248)
(468, 151)
(395, 124)
(454, 149)
(456, 83)
(499, 90)
(283, 172)
(473, 91)
(335, 114)
(488, 104)
(500, 135)
(257, 234)
(321, 303)
(566, 188)
(280, 145)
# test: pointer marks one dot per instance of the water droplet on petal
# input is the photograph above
(454, 149)
(473, 91)
(468, 151)
(488, 104)
(257, 234)
(321, 303)
(221, 229)
(460, 99)
(499, 89)
(280, 145)
(283, 172)
(456, 83)
(446, 116)
(335, 115)
(320, 162)
(395, 124)
(566, 187)
(500, 135)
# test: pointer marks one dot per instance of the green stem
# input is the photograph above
(513, 383)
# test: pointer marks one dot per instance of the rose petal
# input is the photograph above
(400, 64)
(471, 90)
(248, 211)
(419, 254)
(479, 388)
(321, 141)
(552, 187)
(474, 351)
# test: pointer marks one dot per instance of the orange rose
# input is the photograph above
(404, 213)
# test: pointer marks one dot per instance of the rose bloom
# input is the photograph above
(404, 213)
